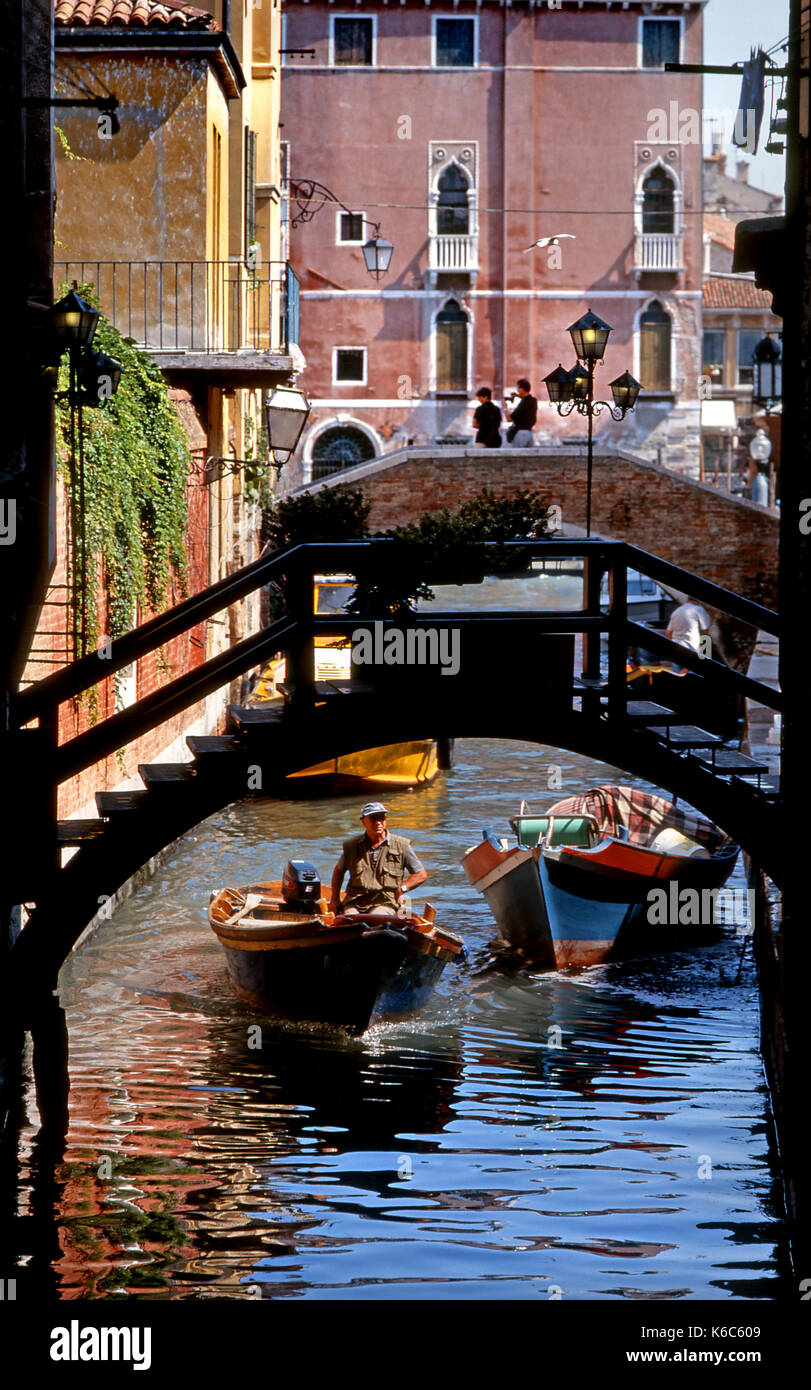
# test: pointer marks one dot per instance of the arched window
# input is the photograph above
(451, 348)
(658, 213)
(453, 211)
(654, 348)
(340, 446)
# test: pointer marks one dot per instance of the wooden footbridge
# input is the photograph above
(540, 676)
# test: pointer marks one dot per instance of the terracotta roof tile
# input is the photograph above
(131, 14)
(734, 292)
(721, 229)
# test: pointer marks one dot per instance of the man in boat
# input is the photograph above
(382, 867)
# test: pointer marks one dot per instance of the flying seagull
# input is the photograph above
(551, 240)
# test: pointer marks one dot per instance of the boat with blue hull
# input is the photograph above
(291, 958)
(594, 876)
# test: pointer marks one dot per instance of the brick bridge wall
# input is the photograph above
(731, 542)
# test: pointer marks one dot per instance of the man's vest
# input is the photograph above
(374, 884)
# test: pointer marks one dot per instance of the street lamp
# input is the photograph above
(286, 413)
(767, 389)
(377, 254)
(309, 196)
(94, 378)
(74, 321)
(760, 450)
(574, 390)
(590, 337)
(99, 377)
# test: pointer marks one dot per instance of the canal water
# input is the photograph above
(599, 1135)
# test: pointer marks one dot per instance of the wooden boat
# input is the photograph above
(611, 869)
(396, 765)
(292, 959)
(393, 766)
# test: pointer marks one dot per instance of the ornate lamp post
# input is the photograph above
(574, 390)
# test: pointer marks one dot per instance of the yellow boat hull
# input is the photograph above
(395, 765)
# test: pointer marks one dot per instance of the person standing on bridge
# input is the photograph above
(382, 867)
(487, 419)
(523, 417)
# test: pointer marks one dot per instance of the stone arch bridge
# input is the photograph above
(730, 541)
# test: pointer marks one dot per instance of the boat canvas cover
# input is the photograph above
(642, 812)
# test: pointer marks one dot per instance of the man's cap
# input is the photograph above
(373, 808)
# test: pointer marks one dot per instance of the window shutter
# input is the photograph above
(654, 349)
(250, 192)
(451, 349)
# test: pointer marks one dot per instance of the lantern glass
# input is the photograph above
(377, 254)
(768, 372)
(625, 391)
(580, 383)
(559, 385)
(286, 414)
(590, 337)
(74, 320)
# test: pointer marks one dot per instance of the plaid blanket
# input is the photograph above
(643, 813)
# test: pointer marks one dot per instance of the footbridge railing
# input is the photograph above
(512, 641)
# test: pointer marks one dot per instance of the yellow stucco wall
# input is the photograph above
(141, 194)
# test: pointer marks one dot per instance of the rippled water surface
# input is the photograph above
(595, 1135)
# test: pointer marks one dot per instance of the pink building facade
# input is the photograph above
(469, 131)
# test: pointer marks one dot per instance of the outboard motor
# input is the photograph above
(301, 886)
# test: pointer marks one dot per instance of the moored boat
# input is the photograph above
(394, 766)
(294, 960)
(596, 874)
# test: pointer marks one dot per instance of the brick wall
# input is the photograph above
(728, 541)
(52, 648)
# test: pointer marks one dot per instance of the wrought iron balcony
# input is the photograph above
(209, 307)
(660, 251)
(458, 253)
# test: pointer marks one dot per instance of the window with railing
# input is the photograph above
(453, 210)
(657, 202)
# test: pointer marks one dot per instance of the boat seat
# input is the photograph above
(579, 831)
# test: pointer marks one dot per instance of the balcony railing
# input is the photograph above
(658, 251)
(459, 253)
(194, 306)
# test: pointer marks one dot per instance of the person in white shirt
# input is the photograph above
(688, 624)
